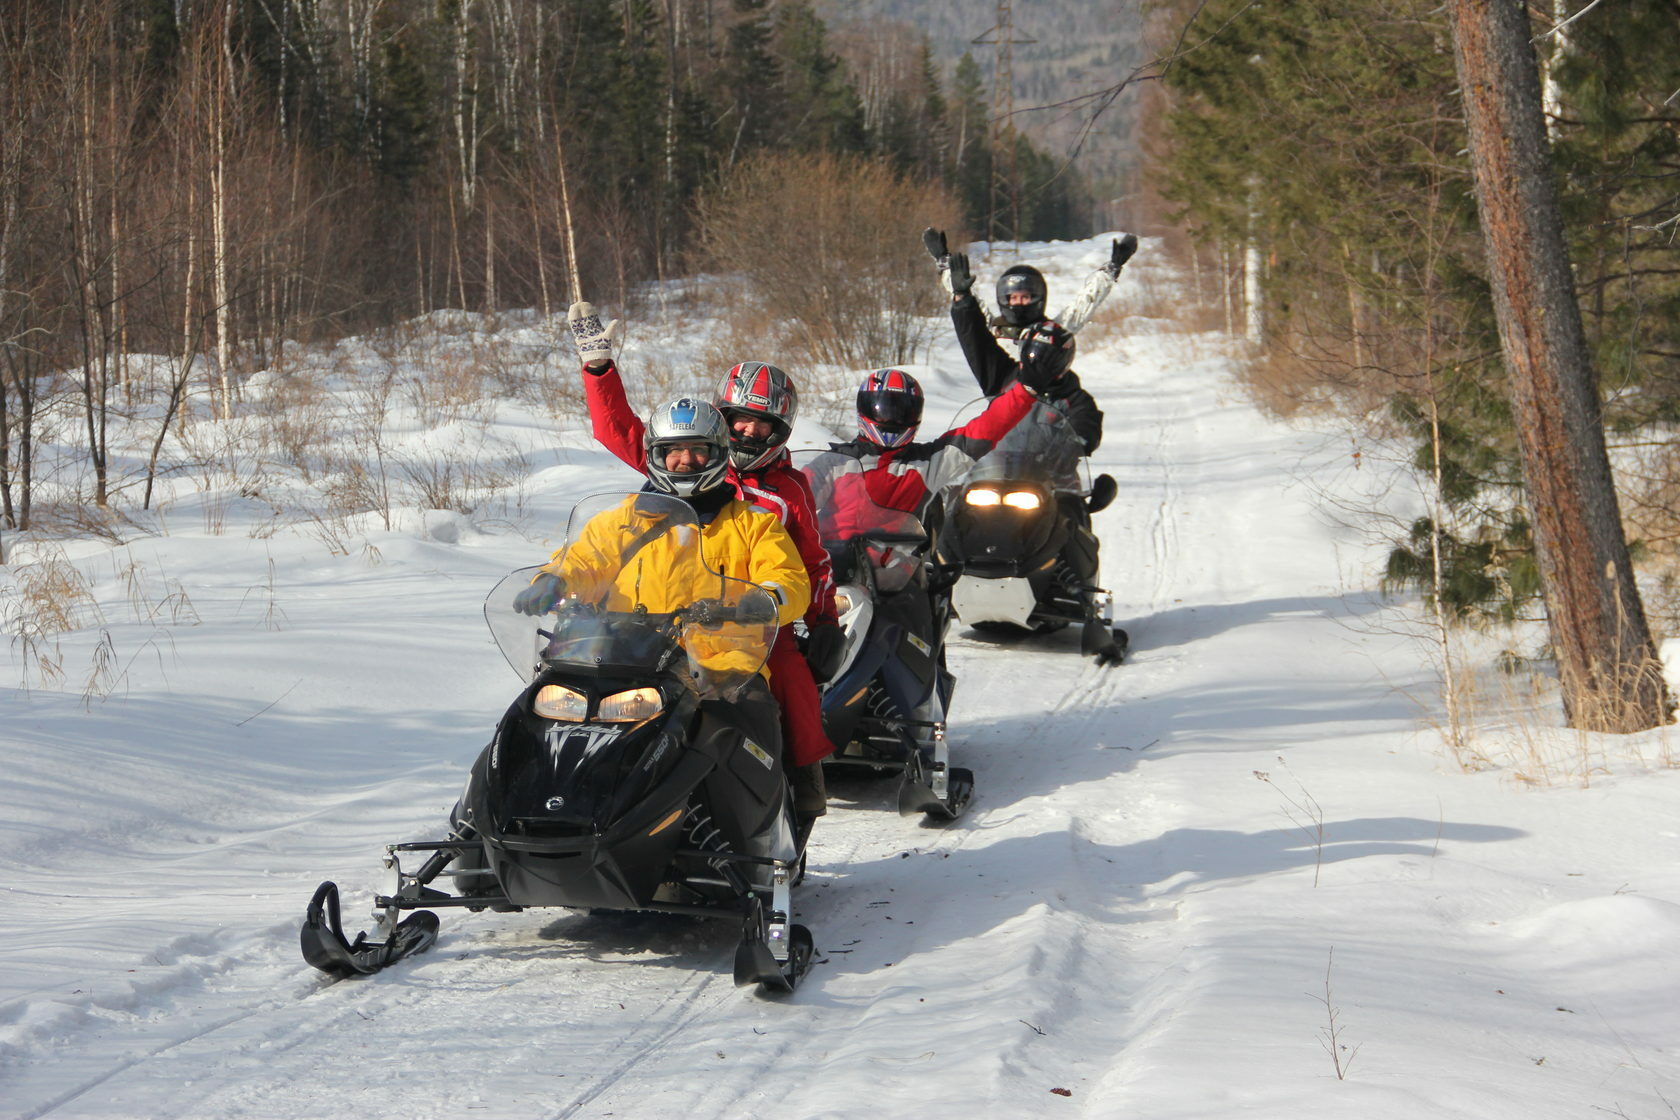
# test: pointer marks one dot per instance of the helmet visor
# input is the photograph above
(890, 411)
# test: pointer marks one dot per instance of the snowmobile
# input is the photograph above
(885, 707)
(1018, 525)
(623, 777)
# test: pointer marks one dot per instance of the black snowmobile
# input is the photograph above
(1019, 527)
(885, 708)
(623, 777)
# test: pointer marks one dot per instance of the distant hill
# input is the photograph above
(1081, 47)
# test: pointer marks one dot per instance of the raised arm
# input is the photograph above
(1077, 313)
(993, 367)
(614, 423)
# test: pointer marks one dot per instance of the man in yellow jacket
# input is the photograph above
(688, 442)
(629, 556)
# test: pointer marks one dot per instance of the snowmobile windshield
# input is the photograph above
(636, 592)
(1042, 448)
(875, 511)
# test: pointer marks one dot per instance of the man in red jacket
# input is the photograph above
(760, 403)
(903, 474)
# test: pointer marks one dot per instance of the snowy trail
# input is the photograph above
(1132, 919)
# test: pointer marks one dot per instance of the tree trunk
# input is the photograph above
(1606, 661)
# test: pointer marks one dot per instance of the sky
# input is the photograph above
(1243, 874)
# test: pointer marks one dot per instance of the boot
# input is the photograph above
(810, 799)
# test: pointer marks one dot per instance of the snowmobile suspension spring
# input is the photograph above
(706, 837)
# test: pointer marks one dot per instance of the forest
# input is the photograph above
(1328, 141)
(204, 181)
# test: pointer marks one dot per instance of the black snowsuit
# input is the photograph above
(994, 369)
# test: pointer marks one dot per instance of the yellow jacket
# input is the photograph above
(741, 541)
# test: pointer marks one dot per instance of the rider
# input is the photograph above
(1021, 300)
(686, 443)
(1021, 290)
(759, 403)
(901, 474)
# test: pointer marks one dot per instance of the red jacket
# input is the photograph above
(906, 478)
(778, 486)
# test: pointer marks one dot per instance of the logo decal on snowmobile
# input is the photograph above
(758, 752)
(590, 738)
(927, 650)
(659, 749)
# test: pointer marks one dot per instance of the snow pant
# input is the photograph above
(1080, 549)
(796, 691)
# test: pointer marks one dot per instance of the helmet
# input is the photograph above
(686, 420)
(889, 406)
(761, 392)
(1046, 354)
(1021, 278)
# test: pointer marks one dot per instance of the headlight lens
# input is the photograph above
(556, 701)
(982, 497)
(1022, 499)
(631, 706)
(842, 601)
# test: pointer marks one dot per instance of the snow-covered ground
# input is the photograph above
(1199, 885)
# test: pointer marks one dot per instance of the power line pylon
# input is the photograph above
(1005, 167)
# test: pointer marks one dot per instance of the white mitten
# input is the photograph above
(595, 343)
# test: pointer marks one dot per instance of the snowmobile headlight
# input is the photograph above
(556, 701)
(842, 601)
(630, 706)
(982, 497)
(1022, 499)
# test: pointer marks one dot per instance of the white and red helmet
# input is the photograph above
(759, 391)
(889, 407)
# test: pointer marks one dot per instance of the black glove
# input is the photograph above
(824, 647)
(706, 612)
(756, 610)
(540, 597)
(961, 278)
(934, 241)
(1121, 253)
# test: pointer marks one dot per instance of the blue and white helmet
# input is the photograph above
(686, 420)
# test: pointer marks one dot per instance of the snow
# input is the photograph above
(1177, 879)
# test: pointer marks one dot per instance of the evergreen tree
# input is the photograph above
(404, 126)
(754, 78)
(1616, 144)
(971, 172)
(821, 106)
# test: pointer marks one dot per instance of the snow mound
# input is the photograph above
(1599, 930)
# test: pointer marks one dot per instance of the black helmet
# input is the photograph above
(1046, 355)
(889, 407)
(1021, 278)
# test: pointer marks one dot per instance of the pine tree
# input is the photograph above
(821, 107)
(971, 156)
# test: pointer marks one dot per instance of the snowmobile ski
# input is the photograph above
(325, 946)
(1108, 644)
(933, 787)
(774, 953)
